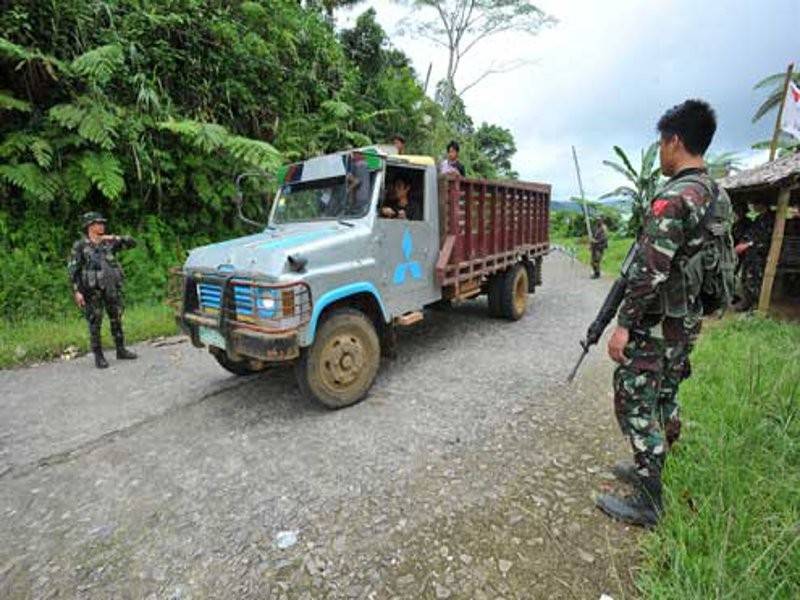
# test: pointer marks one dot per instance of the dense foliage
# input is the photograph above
(147, 109)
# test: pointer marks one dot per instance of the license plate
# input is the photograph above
(211, 337)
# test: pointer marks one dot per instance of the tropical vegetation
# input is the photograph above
(642, 182)
(147, 109)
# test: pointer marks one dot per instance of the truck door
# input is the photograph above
(407, 248)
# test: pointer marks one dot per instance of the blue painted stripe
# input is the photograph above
(296, 240)
(336, 294)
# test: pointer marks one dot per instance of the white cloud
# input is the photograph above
(609, 69)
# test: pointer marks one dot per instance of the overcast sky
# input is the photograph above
(606, 72)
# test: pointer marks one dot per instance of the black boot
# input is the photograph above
(122, 352)
(99, 360)
(626, 472)
(643, 509)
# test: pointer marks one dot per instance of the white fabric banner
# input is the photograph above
(790, 121)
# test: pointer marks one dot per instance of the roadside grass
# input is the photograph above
(732, 525)
(29, 341)
(612, 258)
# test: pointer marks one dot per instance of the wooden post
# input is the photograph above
(583, 198)
(774, 250)
(773, 147)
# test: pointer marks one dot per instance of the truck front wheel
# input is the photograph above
(340, 366)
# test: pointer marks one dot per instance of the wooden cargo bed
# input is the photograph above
(487, 226)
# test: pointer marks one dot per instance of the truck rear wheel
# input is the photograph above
(237, 367)
(494, 294)
(340, 366)
(514, 295)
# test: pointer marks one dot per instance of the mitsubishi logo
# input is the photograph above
(409, 266)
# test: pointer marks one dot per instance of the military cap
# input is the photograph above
(92, 217)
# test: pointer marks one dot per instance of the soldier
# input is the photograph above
(97, 278)
(753, 249)
(598, 246)
(659, 319)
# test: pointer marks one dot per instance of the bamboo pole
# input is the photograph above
(774, 250)
(773, 147)
(583, 197)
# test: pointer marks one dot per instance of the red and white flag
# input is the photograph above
(790, 121)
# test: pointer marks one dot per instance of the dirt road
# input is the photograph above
(467, 473)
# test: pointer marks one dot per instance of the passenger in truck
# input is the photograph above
(399, 204)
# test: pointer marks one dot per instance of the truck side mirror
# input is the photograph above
(238, 198)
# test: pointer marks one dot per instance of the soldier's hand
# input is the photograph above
(109, 238)
(742, 247)
(616, 344)
(80, 300)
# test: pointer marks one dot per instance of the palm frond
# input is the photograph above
(104, 171)
(99, 64)
(621, 170)
(32, 179)
(8, 102)
(625, 160)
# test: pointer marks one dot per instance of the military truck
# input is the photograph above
(328, 281)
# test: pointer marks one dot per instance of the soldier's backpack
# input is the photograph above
(709, 273)
(706, 275)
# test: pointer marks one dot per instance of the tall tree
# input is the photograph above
(459, 26)
(642, 181)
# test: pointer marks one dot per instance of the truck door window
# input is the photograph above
(403, 195)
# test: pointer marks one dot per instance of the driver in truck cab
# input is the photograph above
(398, 204)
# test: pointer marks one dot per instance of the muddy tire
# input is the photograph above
(495, 293)
(340, 366)
(237, 367)
(514, 295)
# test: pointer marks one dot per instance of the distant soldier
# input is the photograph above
(660, 316)
(599, 245)
(752, 250)
(97, 278)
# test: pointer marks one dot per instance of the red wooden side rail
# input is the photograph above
(489, 224)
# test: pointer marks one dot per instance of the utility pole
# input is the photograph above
(774, 145)
(583, 197)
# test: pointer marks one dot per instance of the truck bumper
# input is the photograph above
(241, 341)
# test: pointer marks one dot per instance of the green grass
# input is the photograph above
(30, 341)
(732, 525)
(612, 258)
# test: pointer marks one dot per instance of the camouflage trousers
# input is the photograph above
(646, 389)
(752, 276)
(597, 258)
(97, 301)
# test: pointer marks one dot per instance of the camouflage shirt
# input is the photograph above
(94, 266)
(760, 233)
(600, 238)
(672, 225)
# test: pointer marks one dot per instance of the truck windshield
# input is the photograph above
(344, 197)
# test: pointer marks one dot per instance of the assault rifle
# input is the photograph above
(608, 311)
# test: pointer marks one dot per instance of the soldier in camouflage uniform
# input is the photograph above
(598, 246)
(96, 279)
(658, 322)
(753, 248)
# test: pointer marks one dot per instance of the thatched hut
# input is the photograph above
(778, 184)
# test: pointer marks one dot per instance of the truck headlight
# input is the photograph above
(267, 304)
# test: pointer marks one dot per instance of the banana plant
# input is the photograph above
(642, 182)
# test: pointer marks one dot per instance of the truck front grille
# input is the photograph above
(210, 296)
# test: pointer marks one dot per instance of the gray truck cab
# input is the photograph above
(323, 283)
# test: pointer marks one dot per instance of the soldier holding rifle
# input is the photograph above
(662, 297)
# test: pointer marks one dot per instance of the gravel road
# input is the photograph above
(467, 472)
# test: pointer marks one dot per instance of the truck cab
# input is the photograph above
(326, 282)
